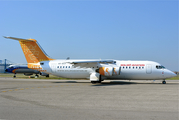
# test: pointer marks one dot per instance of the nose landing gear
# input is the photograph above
(164, 82)
(14, 75)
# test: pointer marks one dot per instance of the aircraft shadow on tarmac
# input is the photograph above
(112, 83)
(120, 83)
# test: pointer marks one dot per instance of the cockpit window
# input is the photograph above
(160, 67)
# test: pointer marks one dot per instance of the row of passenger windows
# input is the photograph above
(133, 67)
(122, 67)
(63, 66)
(158, 67)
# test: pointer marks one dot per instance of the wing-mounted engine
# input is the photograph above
(44, 74)
(28, 74)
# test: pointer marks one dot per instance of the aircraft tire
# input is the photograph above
(93, 82)
(164, 82)
(98, 81)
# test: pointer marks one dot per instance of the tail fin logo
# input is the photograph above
(32, 50)
(29, 51)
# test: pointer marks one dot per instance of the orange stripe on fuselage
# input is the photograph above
(14, 70)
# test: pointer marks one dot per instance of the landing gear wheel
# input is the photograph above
(36, 76)
(164, 82)
(14, 75)
(93, 82)
(99, 81)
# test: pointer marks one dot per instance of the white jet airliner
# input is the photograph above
(95, 70)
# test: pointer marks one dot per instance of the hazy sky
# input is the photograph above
(122, 30)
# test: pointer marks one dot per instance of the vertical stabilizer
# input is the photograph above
(32, 51)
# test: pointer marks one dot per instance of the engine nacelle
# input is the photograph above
(44, 74)
(27, 74)
(109, 71)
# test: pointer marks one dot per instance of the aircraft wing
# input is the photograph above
(91, 61)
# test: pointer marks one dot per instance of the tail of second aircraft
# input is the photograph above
(32, 50)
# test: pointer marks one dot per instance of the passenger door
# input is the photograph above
(149, 69)
(53, 67)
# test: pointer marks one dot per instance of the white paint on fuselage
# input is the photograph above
(130, 70)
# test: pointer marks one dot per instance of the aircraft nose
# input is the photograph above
(170, 74)
(173, 74)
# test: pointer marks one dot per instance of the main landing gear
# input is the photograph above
(164, 82)
(97, 80)
(14, 75)
(36, 76)
(93, 82)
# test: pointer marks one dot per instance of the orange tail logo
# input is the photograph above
(33, 53)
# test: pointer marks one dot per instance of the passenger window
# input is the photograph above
(139, 67)
(69, 67)
(136, 67)
(57, 66)
(60, 66)
(129, 67)
(63, 66)
(123, 67)
(133, 67)
(126, 67)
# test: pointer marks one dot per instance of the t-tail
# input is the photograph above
(32, 50)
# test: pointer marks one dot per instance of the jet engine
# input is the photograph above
(27, 74)
(44, 74)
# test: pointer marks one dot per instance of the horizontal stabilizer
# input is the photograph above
(19, 39)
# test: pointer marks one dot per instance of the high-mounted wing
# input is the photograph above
(91, 61)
